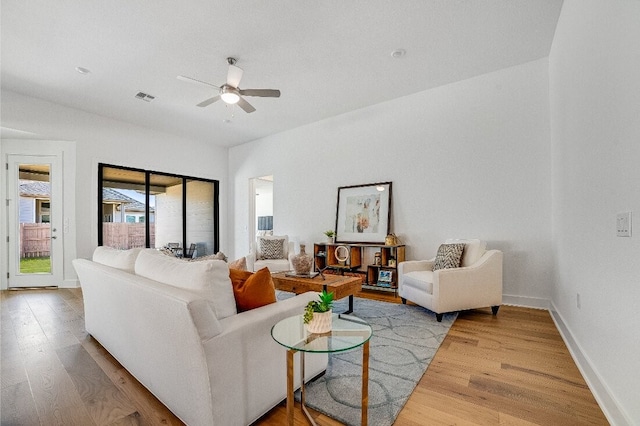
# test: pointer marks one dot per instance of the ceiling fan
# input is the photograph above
(230, 92)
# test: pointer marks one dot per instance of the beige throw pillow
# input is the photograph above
(239, 264)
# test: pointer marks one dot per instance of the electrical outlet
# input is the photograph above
(578, 300)
(623, 224)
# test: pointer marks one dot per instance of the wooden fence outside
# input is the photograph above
(35, 238)
(122, 235)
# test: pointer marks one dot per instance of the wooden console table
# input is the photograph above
(361, 260)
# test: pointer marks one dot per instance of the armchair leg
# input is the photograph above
(404, 301)
(494, 309)
(439, 317)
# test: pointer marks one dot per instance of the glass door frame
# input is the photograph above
(147, 184)
(15, 277)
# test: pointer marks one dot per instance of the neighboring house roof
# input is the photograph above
(112, 196)
(35, 189)
(109, 194)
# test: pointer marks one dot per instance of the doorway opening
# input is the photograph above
(261, 217)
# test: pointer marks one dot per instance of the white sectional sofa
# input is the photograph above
(173, 325)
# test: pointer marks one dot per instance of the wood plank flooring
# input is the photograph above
(510, 369)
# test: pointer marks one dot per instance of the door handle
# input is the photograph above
(53, 237)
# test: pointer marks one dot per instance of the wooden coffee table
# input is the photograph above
(340, 285)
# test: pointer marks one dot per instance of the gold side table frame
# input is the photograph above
(352, 333)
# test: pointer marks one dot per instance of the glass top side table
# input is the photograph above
(347, 332)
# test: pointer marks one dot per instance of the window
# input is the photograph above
(43, 211)
(140, 208)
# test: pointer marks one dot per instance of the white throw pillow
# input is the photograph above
(115, 258)
(209, 278)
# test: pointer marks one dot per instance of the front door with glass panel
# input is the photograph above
(34, 191)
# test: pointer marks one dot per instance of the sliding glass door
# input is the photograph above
(140, 208)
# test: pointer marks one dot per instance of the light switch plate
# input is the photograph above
(623, 224)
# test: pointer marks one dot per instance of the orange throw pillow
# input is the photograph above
(252, 290)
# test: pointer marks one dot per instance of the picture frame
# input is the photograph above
(384, 276)
(363, 213)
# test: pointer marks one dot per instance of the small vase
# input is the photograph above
(302, 262)
(320, 323)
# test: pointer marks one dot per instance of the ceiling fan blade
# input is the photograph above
(193, 80)
(209, 101)
(234, 75)
(265, 93)
(246, 106)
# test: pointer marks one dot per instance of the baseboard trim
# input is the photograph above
(525, 301)
(614, 413)
(70, 284)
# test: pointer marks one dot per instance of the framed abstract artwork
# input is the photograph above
(363, 213)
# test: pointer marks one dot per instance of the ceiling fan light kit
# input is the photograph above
(230, 92)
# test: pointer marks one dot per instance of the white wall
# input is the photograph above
(169, 216)
(200, 227)
(103, 140)
(470, 159)
(595, 109)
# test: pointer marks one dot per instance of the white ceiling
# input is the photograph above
(327, 57)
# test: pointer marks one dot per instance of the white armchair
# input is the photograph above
(271, 251)
(476, 283)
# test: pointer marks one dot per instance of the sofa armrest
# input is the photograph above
(472, 286)
(411, 266)
(151, 328)
(414, 265)
(251, 364)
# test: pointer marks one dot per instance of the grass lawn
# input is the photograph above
(33, 265)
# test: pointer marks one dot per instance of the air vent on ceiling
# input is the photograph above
(145, 97)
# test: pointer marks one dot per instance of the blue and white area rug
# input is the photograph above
(405, 340)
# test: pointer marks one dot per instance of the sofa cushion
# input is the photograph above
(252, 290)
(274, 265)
(473, 250)
(271, 248)
(448, 256)
(115, 258)
(218, 256)
(209, 279)
(421, 280)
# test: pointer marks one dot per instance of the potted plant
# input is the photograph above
(330, 235)
(317, 314)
